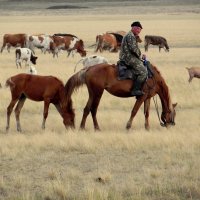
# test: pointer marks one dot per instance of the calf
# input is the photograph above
(194, 72)
(32, 70)
(92, 60)
(26, 55)
(161, 42)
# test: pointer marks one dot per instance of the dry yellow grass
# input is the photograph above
(114, 164)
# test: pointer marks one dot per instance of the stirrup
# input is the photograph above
(137, 93)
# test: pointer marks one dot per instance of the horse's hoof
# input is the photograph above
(147, 128)
(128, 126)
(19, 130)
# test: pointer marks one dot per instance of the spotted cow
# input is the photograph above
(69, 43)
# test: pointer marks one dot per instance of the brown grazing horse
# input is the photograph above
(39, 88)
(104, 76)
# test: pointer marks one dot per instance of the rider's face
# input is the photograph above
(136, 30)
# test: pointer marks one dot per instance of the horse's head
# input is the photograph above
(69, 116)
(168, 118)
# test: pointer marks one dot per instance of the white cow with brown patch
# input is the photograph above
(69, 43)
(43, 42)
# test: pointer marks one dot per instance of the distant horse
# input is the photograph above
(39, 88)
(161, 42)
(104, 76)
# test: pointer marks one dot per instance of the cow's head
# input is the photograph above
(33, 59)
(79, 46)
(138, 39)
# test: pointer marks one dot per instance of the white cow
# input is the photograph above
(24, 54)
(91, 60)
(43, 42)
(32, 70)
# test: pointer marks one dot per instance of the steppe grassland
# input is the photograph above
(56, 163)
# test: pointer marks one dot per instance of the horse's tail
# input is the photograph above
(75, 81)
(9, 83)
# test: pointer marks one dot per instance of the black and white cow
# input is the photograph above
(24, 54)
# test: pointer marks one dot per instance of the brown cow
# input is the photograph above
(161, 42)
(106, 41)
(14, 40)
(110, 41)
(69, 43)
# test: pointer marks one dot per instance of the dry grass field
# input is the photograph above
(60, 164)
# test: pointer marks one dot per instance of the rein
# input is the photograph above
(155, 100)
(156, 106)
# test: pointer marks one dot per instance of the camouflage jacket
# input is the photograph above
(130, 52)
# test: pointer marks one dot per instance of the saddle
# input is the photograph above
(125, 71)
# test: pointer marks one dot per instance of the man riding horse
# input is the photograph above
(130, 55)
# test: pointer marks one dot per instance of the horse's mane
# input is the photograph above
(163, 85)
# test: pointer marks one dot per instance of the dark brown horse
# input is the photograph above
(104, 76)
(39, 88)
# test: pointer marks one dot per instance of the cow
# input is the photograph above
(69, 43)
(161, 42)
(43, 42)
(91, 60)
(110, 41)
(24, 54)
(32, 70)
(14, 40)
(194, 72)
(106, 41)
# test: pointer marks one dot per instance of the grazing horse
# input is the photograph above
(39, 88)
(104, 76)
(161, 42)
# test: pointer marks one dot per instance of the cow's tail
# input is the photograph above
(77, 64)
(98, 43)
(9, 83)
(26, 41)
(75, 81)
(17, 53)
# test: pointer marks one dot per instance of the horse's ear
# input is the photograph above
(174, 105)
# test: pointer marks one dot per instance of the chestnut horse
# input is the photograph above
(39, 88)
(104, 76)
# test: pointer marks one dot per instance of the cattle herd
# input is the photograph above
(110, 41)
